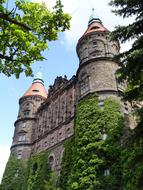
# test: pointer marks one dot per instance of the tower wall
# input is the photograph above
(24, 127)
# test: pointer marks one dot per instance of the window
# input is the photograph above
(95, 44)
(101, 104)
(95, 28)
(26, 113)
(51, 161)
(22, 137)
(22, 125)
(35, 90)
(19, 154)
(104, 136)
(106, 172)
(16, 173)
(84, 83)
(126, 109)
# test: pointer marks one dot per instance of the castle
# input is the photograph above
(45, 120)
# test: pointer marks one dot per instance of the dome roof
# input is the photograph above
(37, 87)
(93, 17)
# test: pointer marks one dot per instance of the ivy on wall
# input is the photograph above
(96, 148)
(67, 164)
(39, 172)
(14, 177)
(37, 175)
(95, 158)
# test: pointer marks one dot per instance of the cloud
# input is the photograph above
(5, 152)
(80, 11)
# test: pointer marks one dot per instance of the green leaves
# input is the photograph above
(131, 61)
(14, 177)
(25, 32)
(91, 153)
(39, 172)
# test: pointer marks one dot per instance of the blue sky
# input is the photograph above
(61, 60)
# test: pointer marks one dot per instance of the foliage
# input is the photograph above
(131, 61)
(132, 161)
(93, 155)
(67, 164)
(39, 172)
(24, 33)
(14, 177)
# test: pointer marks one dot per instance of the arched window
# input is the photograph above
(52, 161)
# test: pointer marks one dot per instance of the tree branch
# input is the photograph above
(5, 57)
(7, 18)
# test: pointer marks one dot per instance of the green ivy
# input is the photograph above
(67, 164)
(92, 155)
(39, 172)
(14, 177)
(96, 157)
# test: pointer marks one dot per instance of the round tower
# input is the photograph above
(24, 125)
(97, 69)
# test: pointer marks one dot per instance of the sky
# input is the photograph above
(61, 60)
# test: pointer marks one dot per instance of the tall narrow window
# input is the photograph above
(106, 172)
(84, 83)
(52, 161)
(101, 104)
(16, 173)
(19, 154)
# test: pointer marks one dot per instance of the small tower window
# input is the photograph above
(95, 44)
(26, 113)
(19, 155)
(22, 137)
(106, 172)
(22, 125)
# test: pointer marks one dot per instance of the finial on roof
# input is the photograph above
(93, 18)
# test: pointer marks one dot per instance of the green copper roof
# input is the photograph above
(38, 77)
(93, 17)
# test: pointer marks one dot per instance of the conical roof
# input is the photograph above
(94, 24)
(37, 87)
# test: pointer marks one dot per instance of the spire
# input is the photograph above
(93, 18)
(38, 78)
(37, 87)
(94, 25)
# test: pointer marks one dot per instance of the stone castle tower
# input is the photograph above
(45, 120)
(24, 125)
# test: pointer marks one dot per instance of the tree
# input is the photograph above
(131, 61)
(24, 33)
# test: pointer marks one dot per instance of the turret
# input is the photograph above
(24, 125)
(97, 69)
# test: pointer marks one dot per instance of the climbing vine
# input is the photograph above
(14, 177)
(39, 172)
(96, 148)
(102, 154)
(67, 164)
